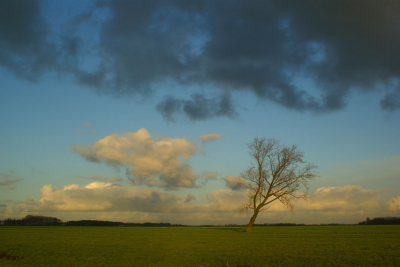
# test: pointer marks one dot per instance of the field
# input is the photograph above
(200, 246)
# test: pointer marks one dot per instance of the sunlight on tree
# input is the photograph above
(277, 173)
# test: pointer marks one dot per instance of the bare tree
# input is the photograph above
(277, 173)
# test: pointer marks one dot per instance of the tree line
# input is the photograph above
(32, 220)
(381, 221)
(38, 220)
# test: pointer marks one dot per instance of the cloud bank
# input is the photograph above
(262, 47)
(98, 196)
(106, 201)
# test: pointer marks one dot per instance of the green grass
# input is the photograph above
(192, 246)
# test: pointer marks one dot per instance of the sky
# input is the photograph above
(141, 111)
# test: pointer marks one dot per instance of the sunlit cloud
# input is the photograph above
(209, 137)
(344, 198)
(234, 182)
(105, 200)
(225, 201)
(377, 173)
(161, 163)
(393, 204)
(101, 178)
(98, 196)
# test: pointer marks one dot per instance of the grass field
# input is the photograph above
(200, 246)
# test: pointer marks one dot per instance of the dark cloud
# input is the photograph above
(258, 46)
(199, 107)
(169, 107)
(235, 183)
(189, 198)
(24, 49)
(391, 101)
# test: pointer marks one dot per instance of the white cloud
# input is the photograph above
(98, 196)
(347, 198)
(101, 178)
(106, 197)
(234, 182)
(159, 163)
(209, 137)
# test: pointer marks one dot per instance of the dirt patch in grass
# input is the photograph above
(6, 256)
(93, 259)
(227, 265)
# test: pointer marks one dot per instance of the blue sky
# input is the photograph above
(125, 77)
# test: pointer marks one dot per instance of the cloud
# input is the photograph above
(159, 163)
(98, 196)
(234, 182)
(263, 47)
(24, 47)
(189, 198)
(391, 101)
(8, 181)
(210, 175)
(347, 198)
(368, 173)
(393, 204)
(84, 124)
(256, 46)
(209, 137)
(169, 107)
(225, 201)
(11, 187)
(101, 178)
(199, 107)
(105, 201)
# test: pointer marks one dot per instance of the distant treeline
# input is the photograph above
(381, 221)
(33, 220)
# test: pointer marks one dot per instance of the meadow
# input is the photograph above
(200, 246)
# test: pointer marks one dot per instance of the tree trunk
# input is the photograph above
(251, 222)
